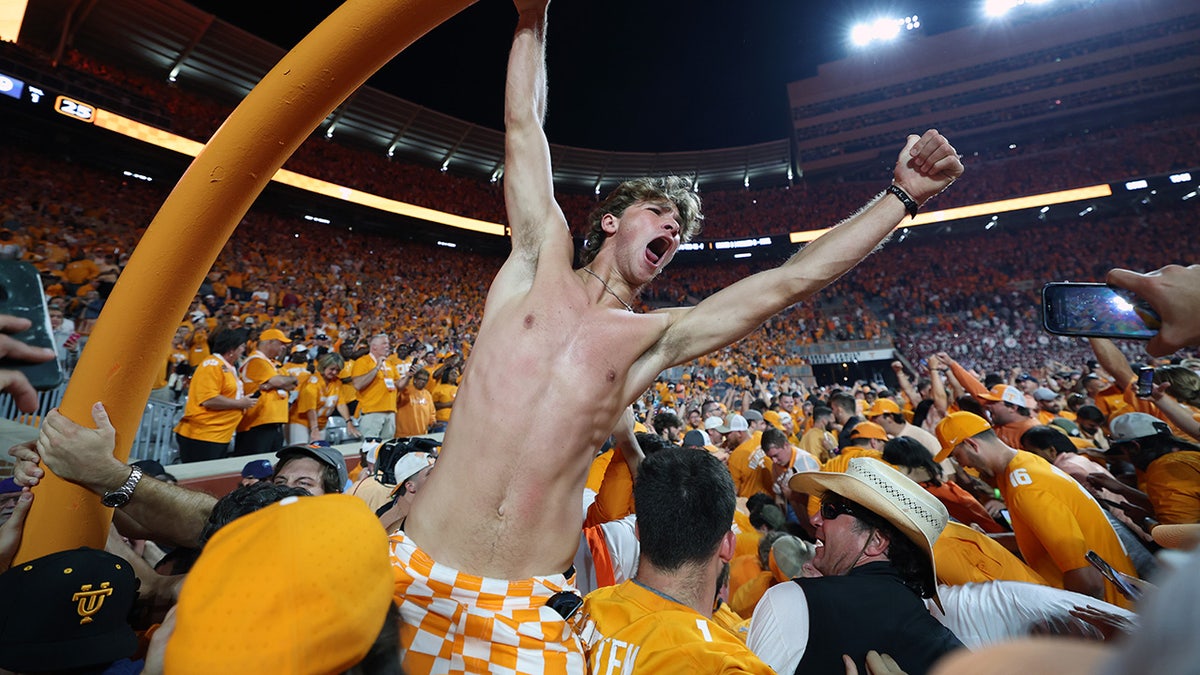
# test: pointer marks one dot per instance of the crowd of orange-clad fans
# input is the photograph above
(974, 296)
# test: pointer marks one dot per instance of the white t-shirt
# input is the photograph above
(779, 627)
(623, 551)
(987, 613)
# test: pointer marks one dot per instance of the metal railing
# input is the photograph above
(155, 438)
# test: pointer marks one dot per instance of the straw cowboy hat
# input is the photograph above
(887, 493)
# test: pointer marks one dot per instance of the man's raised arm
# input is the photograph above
(926, 166)
(533, 216)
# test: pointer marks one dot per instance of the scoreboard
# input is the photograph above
(38, 97)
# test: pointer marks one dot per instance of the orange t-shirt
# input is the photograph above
(380, 394)
(1173, 484)
(213, 378)
(272, 406)
(1056, 522)
(319, 394)
(963, 555)
(751, 468)
(414, 411)
(634, 630)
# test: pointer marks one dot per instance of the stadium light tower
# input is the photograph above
(883, 29)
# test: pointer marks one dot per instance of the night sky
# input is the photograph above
(632, 75)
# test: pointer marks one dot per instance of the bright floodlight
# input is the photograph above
(998, 7)
(881, 30)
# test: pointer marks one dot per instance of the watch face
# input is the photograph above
(115, 499)
(120, 497)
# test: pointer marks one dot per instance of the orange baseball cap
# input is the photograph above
(273, 334)
(955, 428)
(772, 418)
(868, 430)
(1007, 394)
(882, 406)
(301, 586)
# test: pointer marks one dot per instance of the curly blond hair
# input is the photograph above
(674, 189)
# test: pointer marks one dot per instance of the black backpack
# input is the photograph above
(392, 450)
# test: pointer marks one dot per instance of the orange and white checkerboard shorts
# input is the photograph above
(461, 623)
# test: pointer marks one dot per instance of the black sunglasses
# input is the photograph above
(565, 603)
(833, 507)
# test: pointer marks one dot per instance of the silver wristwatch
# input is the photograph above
(120, 497)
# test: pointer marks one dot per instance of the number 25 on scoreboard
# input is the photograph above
(72, 108)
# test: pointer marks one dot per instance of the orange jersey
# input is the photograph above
(319, 394)
(730, 621)
(1057, 522)
(962, 505)
(746, 598)
(631, 629)
(272, 406)
(299, 371)
(965, 556)
(813, 442)
(751, 468)
(1011, 433)
(1111, 402)
(1173, 485)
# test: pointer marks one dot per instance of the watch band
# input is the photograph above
(120, 497)
(910, 205)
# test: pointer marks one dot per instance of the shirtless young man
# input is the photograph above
(503, 501)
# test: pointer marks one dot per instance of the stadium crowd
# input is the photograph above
(1106, 153)
(738, 520)
(293, 276)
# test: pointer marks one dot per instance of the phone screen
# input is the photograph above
(1145, 382)
(1007, 520)
(1096, 310)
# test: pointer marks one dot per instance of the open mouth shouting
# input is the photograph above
(656, 249)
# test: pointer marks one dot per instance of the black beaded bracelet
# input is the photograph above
(909, 205)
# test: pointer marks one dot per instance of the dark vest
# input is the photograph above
(870, 608)
(844, 437)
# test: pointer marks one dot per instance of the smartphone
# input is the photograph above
(1096, 310)
(1145, 381)
(21, 295)
(1114, 577)
(1007, 519)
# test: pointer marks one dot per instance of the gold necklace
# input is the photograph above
(610, 291)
